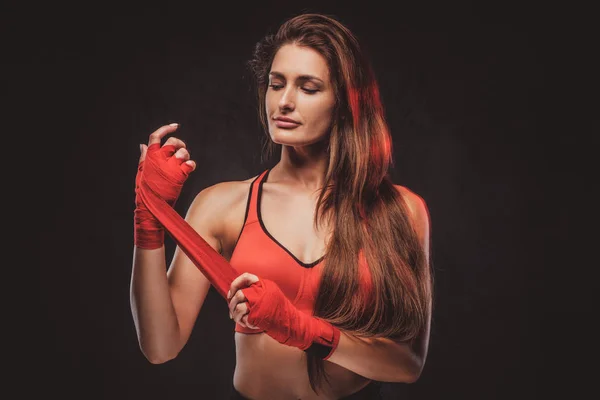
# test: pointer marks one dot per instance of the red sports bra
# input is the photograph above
(259, 253)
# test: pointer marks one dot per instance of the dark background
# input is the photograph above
(487, 120)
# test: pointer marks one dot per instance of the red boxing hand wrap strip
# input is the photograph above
(287, 324)
(166, 175)
(273, 312)
(148, 233)
(152, 184)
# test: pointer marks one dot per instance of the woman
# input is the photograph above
(326, 261)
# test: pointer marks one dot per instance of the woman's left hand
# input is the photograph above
(238, 304)
(261, 304)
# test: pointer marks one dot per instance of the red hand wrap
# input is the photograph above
(158, 184)
(165, 175)
(272, 311)
(148, 233)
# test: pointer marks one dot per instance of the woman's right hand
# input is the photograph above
(164, 168)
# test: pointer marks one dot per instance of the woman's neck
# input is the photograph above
(302, 167)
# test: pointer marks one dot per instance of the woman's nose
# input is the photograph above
(287, 100)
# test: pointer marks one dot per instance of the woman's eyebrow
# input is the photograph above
(301, 77)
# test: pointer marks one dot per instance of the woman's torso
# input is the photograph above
(270, 233)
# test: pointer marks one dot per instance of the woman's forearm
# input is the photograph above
(152, 308)
(380, 359)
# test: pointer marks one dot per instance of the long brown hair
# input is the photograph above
(358, 198)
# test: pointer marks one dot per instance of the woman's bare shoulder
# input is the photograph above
(411, 197)
(223, 195)
(415, 203)
(218, 210)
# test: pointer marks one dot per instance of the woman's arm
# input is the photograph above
(383, 359)
(164, 304)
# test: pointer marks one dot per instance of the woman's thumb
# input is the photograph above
(143, 149)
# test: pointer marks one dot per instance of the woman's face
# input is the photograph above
(299, 89)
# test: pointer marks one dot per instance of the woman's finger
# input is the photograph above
(157, 135)
(247, 324)
(244, 280)
(180, 156)
(239, 311)
(237, 298)
(178, 143)
(188, 166)
(171, 146)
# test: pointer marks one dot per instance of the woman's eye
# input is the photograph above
(307, 90)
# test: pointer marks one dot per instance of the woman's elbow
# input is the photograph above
(410, 378)
(157, 357)
(157, 360)
(411, 373)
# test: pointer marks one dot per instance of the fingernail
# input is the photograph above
(230, 317)
(174, 124)
(228, 294)
(141, 148)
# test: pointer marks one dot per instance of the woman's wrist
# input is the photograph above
(148, 233)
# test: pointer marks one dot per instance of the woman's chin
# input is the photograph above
(288, 139)
(292, 139)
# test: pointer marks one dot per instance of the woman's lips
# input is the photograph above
(285, 124)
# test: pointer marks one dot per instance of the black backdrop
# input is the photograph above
(476, 98)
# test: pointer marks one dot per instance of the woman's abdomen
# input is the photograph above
(266, 369)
